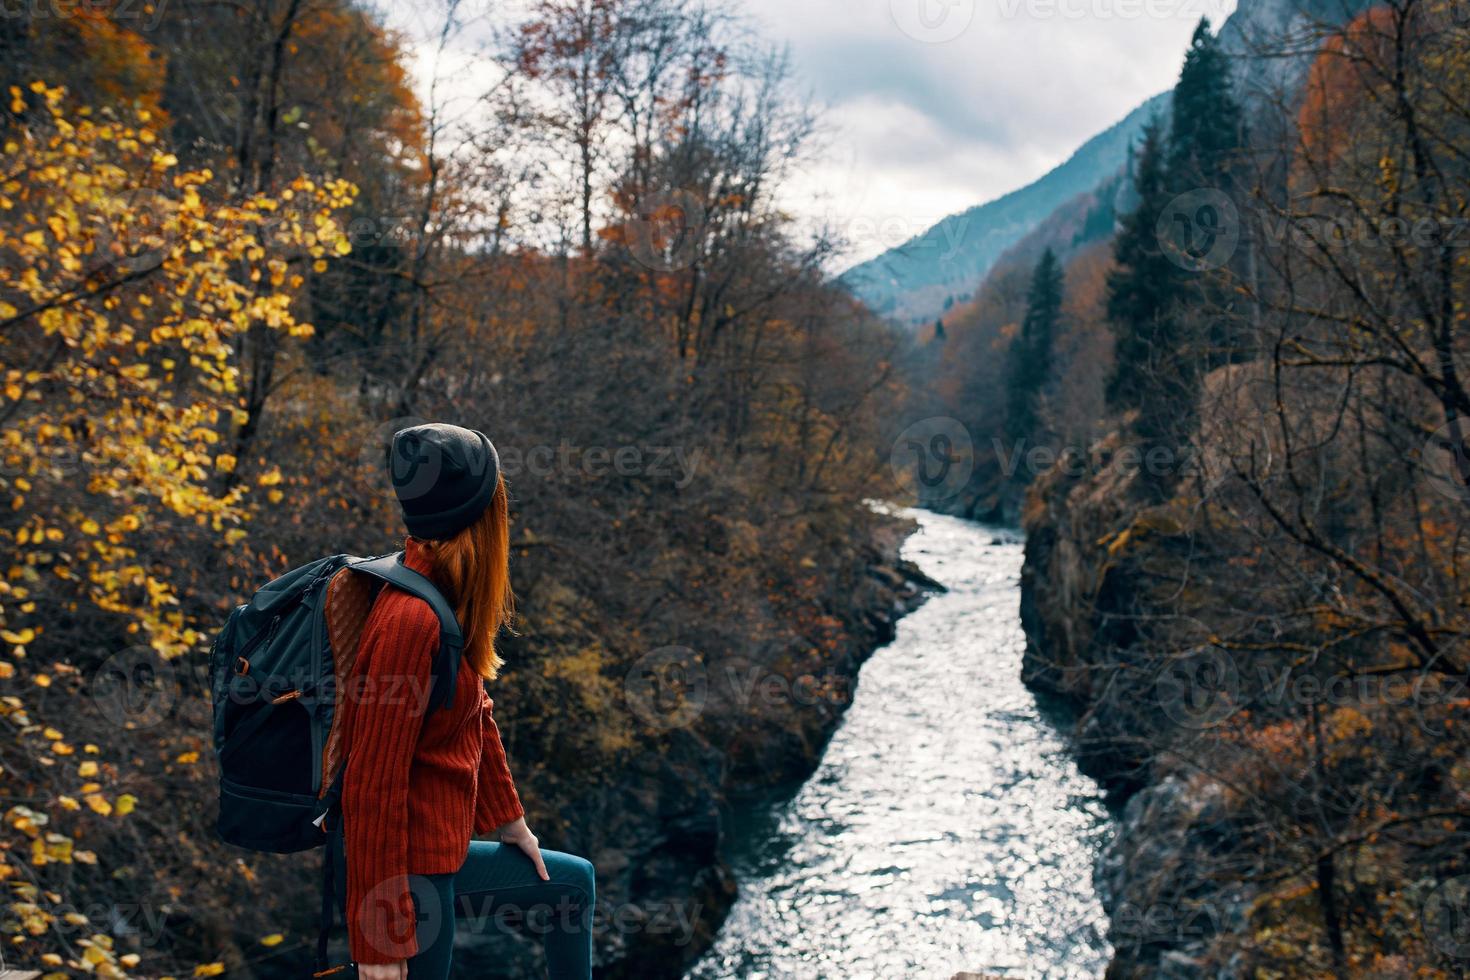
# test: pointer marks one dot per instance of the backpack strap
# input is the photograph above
(391, 569)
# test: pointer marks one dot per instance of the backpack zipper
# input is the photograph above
(261, 638)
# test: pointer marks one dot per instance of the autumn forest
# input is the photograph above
(1223, 394)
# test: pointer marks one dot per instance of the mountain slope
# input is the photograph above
(1273, 42)
(914, 282)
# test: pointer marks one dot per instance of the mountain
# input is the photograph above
(1273, 43)
(919, 279)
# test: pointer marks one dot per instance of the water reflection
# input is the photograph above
(947, 829)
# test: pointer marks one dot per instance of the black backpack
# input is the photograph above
(275, 670)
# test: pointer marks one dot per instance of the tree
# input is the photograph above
(1207, 138)
(123, 288)
(570, 47)
(1206, 130)
(1031, 354)
(1156, 370)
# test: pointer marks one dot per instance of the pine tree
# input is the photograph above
(1155, 361)
(1167, 319)
(1143, 290)
(1206, 139)
(1031, 352)
(1206, 131)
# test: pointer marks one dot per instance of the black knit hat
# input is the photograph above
(444, 477)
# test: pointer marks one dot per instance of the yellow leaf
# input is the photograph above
(209, 969)
(98, 803)
(274, 939)
(125, 804)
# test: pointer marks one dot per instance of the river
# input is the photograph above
(947, 828)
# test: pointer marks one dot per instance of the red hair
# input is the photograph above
(472, 569)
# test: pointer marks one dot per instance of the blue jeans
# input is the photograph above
(497, 888)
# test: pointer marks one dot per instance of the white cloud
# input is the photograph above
(933, 106)
(974, 100)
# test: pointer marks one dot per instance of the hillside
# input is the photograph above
(916, 281)
(1272, 42)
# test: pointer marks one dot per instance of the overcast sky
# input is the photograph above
(932, 106)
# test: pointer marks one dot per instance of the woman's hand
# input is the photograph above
(517, 834)
(383, 971)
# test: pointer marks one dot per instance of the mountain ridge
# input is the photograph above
(1273, 42)
(911, 284)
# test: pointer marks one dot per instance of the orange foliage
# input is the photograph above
(1340, 83)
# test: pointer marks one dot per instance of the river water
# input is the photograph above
(946, 829)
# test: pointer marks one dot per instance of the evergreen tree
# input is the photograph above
(1143, 290)
(1167, 319)
(1206, 139)
(1206, 131)
(1031, 352)
(1154, 361)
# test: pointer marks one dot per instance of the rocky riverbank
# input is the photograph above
(1085, 586)
(767, 715)
(751, 721)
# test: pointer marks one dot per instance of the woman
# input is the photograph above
(418, 783)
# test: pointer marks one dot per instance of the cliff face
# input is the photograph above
(1088, 580)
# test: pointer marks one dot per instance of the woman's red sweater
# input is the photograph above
(416, 788)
